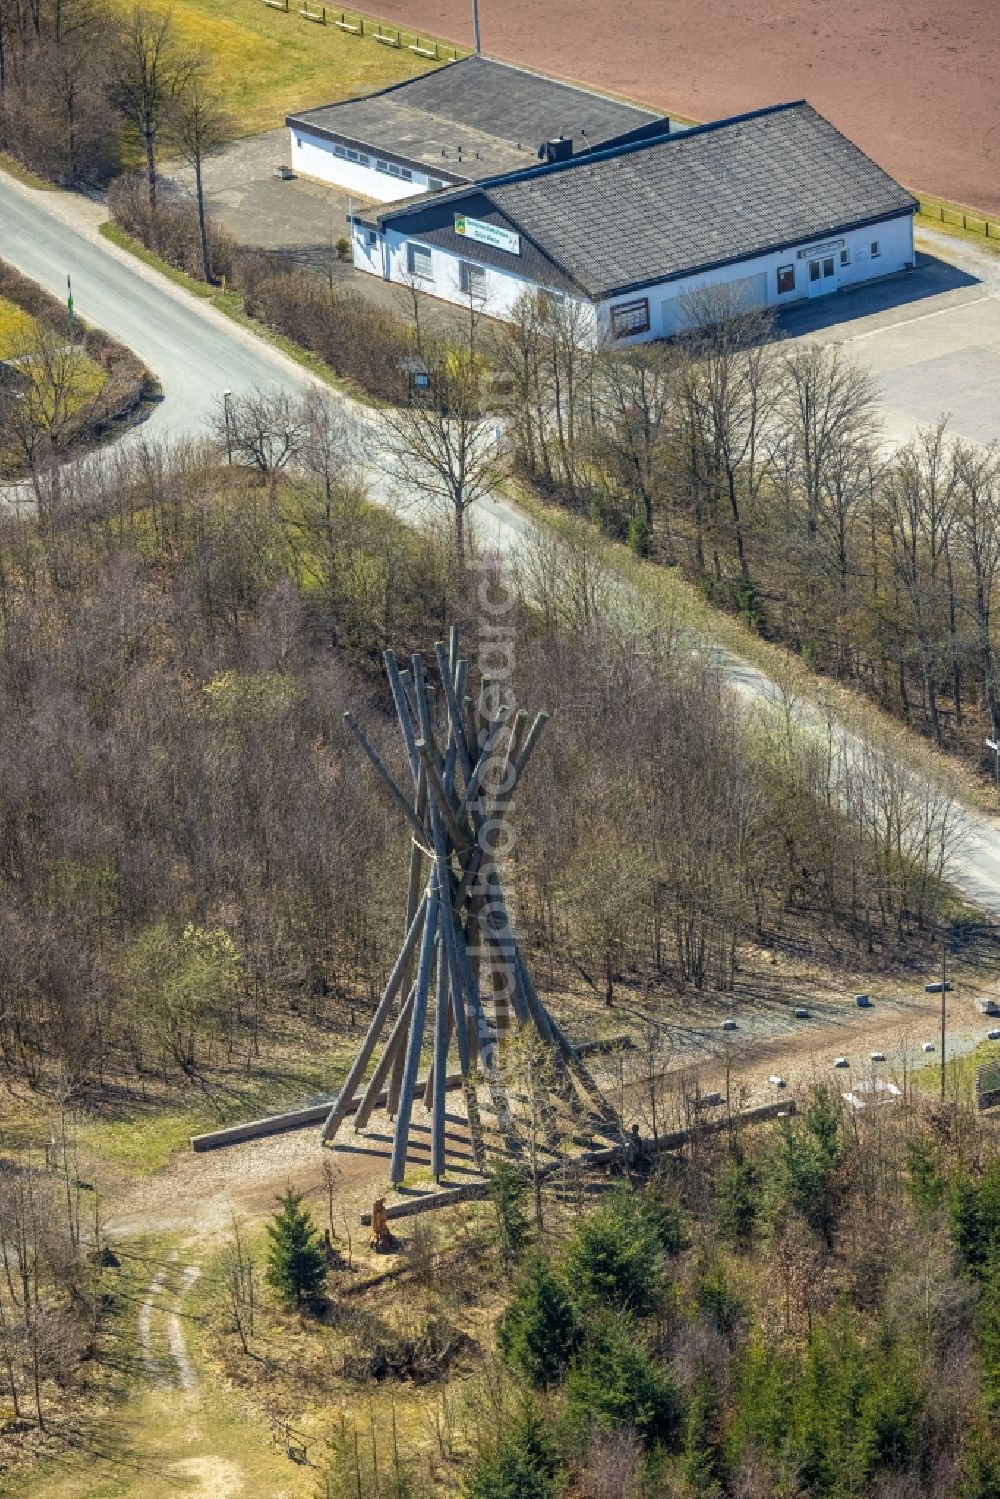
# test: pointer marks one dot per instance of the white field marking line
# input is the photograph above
(145, 1318)
(175, 1336)
(921, 317)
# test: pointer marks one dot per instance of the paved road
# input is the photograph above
(197, 353)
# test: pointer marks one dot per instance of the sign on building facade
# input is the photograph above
(488, 234)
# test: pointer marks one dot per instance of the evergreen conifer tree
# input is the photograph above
(295, 1266)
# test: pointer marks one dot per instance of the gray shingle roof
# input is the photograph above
(497, 114)
(716, 194)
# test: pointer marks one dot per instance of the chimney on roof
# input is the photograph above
(561, 149)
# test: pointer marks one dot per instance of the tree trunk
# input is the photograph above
(206, 263)
(150, 139)
(737, 523)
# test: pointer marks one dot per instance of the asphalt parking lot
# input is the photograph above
(931, 337)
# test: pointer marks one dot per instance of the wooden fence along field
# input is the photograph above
(354, 23)
(954, 217)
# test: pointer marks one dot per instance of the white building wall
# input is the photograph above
(366, 245)
(758, 276)
(501, 288)
(312, 156)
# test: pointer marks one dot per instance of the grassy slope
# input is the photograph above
(268, 62)
(15, 325)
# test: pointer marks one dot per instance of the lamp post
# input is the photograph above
(69, 305)
(994, 745)
(475, 23)
(227, 397)
(943, 985)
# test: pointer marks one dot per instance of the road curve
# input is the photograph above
(197, 353)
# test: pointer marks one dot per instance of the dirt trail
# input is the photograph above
(215, 1476)
(154, 1370)
(177, 1370)
(186, 1372)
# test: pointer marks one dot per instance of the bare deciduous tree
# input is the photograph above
(150, 71)
(198, 128)
(443, 444)
(261, 428)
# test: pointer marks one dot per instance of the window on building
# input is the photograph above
(845, 256)
(827, 267)
(393, 169)
(814, 271)
(372, 237)
(347, 153)
(875, 251)
(629, 318)
(419, 262)
(472, 279)
(786, 279)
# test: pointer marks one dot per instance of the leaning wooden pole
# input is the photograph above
(460, 960)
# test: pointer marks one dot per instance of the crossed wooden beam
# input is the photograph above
(460, 957)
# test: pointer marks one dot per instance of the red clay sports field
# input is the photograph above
(916, 83)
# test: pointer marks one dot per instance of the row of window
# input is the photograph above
(471, 277)
(628, 318)
(348, 154)
(393, 169)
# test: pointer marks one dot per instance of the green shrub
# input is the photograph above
(738, 1200)
(615, 1382)
(720, 1306)
(614, 1258)
(507, 1193)
(538, 1333)
(295, 1267)
(927, 1185)
(809, 1166)
(666, 1221)
(520, 1465)
(638, 535)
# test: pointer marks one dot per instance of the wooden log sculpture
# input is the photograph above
(460, 960)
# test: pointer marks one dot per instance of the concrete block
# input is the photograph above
(729, 1025)
(993, 1035)
(841, 1062)
(927, 1046)
(776, 1081)
(863, 1001)
(876, 1056)
(801, 1013)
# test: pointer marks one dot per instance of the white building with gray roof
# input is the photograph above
(776, 203)
(471, 119)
